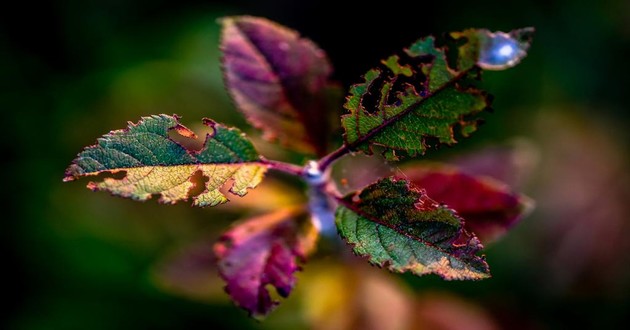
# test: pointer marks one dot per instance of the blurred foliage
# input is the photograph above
(73, 70)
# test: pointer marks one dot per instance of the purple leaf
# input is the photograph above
(488, 207)
(264, 251)
(280, 81)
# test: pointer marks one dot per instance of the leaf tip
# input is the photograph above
(68, 178)
(209, 122)
(72, 173)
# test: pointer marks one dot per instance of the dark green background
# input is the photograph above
(73, 70)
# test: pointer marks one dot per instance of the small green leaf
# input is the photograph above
(427, 92)
(153, 163)
(399, 227)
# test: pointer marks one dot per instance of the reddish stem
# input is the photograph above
(282, 166)
(327, 160)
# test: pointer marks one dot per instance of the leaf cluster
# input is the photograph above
(432, 222)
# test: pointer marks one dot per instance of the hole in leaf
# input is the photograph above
(371, 100)
(452, 50)
(116, 175)
(431, 142)
(199, 184)
(470, 81)
(418, 79)
(189, 139)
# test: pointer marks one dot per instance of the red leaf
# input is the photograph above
(280, 81)
(488, 207)
(264, 251)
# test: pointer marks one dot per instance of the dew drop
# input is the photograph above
(500, 50)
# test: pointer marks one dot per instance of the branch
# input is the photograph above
(329, 159)
(282, 166)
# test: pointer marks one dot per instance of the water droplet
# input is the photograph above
(500, 50)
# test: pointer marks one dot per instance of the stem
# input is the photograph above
(322, 193)
(282, 166)
(327, 160)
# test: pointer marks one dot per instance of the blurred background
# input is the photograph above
(73, 70)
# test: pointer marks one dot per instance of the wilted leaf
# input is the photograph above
(155, 164)
(489, 208)
(264, 251)
(280, 81)
(399, 227)
(423, 94)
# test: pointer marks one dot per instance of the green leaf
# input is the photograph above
(153, 163)
(280, 81)
(399, 227)
(427, 94)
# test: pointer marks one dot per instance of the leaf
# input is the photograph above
(155, 164)
(426, 94)
(399, 227)
(264, 251)
(488, 207)
(280, 81)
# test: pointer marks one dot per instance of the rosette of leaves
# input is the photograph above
(424, 96)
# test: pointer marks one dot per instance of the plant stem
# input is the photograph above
(327, 160)
(282, 166)
(322, 196)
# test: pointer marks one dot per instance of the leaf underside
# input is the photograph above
(154, 164)
(400, 228)
(280, 81)
(488, 207)
(426, 95)
(263, 251)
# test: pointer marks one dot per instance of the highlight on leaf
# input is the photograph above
(263, 251)
(154, 164)
(398, 227)
(488, 207)
(280, 81)
(426, 95)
